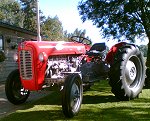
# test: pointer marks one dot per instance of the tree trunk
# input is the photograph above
(147, 80)
(148, 56)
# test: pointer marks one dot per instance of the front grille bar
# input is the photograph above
(26, 64)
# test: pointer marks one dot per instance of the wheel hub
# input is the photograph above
(130, 72)
(75, 95)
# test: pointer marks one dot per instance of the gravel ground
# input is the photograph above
(6, 107)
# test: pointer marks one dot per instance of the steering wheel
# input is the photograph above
(81, 39)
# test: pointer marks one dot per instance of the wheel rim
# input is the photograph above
(130, 72)
(133, 71)
(75, 97)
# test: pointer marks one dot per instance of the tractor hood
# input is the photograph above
(56, 48)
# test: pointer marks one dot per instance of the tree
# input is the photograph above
(10, 12)
(52, 29)
(77, 32)
(119, 18)
(29, 10)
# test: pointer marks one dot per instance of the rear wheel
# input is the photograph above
(127, 73)
(14, 90)
(72, 95)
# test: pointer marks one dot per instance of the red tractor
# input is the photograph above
(74, 67)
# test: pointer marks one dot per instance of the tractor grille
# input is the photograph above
(25, 64)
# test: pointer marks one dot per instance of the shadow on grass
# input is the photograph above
(52, 99)
(116, 114)
(98, 105)
(96, 99)
(105, 114)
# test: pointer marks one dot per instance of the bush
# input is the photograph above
(2, 56)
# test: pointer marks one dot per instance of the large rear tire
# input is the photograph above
(127, 73)
(72, 95)
(14, 90)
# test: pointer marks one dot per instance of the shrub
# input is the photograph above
(2, 56)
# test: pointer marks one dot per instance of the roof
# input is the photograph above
(18, 29)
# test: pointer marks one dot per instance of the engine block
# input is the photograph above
(58, 67)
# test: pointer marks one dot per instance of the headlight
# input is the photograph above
(42, 56)
(15, 57)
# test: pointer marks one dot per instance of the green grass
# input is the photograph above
(99, 104)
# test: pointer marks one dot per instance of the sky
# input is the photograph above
(68, 14)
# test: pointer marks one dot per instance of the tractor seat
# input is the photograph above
(97, 49)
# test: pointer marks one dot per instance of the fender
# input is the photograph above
(113, 51)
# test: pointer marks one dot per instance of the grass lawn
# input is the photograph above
(99, 104)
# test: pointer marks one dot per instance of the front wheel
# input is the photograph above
(72, 95)
(127, 73)
(14, 90)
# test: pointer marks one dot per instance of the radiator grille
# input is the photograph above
(26, 64)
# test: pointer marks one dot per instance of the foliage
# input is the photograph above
(120, 19)
(10, 12)
(77, 32)
(29, 10)
(99, 104)
(52, 29)
(2, 56)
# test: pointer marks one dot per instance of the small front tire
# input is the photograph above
(72, 95)
(14, 90)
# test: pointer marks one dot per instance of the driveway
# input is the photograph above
(6, 107)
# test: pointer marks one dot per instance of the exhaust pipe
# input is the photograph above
(38, 21)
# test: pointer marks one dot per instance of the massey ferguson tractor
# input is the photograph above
(74, 67)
